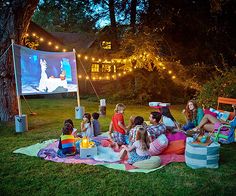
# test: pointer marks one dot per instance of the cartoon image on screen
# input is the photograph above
(40, 72)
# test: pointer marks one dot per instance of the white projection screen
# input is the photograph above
(40, 72)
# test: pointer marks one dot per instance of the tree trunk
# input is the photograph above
(133, 12)
(113, 23)
(14, 21)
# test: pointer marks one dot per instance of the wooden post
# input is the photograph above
(15, 72)
(78, 98)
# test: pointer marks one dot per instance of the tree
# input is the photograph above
(64, 16)
(14, 20)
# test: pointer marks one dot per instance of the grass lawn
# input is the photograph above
(25, 175)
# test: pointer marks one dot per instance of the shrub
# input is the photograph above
(223, 85)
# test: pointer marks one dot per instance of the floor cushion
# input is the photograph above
(175, 147)
(198, 156)
(151, 163)
(175, 136)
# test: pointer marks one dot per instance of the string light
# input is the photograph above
(145, 54)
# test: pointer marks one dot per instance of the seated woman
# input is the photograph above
(168, 120)
(210, 123)
(193, 115)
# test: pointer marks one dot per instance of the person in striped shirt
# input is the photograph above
(67, 141)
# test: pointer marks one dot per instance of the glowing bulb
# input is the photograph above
(34, 34)
(86, 58)
(79, 55)
(64, 50)
(99, 60)
(87, 77)
(163, 67)
(173, 77)
(130, 69)
(170, 72)
(49, 43)
(94, 78)
(93, 59)
(107, 77)
(124, 72)
(100, 78)
(56, 47)
(119, 74)
(41, 39)
(26, 35)
(80, 76)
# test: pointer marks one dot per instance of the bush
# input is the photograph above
(223, 85)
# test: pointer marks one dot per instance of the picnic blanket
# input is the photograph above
(106, 156)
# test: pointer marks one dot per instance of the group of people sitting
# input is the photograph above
(141, 136)
(135, 139)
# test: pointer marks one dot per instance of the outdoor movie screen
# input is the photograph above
(40, 72)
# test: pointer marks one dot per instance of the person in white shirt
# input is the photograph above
(139, 149)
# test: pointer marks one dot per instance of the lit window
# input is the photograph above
(106, 45)
(95, 67)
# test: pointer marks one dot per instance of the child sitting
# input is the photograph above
(74, 132)
(138, 122)
(67, 141)
(96, 124)
(87, 126)
(139, 149)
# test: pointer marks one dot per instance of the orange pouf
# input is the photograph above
(175, 147)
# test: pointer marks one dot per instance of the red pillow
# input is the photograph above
(207, 111)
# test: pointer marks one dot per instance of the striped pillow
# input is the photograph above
(158, 145)
(197, 156)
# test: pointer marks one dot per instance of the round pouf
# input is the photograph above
(79, 112)
(151, 163)
(21, 123)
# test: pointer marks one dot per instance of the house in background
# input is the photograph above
(95, 52)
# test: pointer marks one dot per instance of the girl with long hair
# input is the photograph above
(193, 115)
(139, 149)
